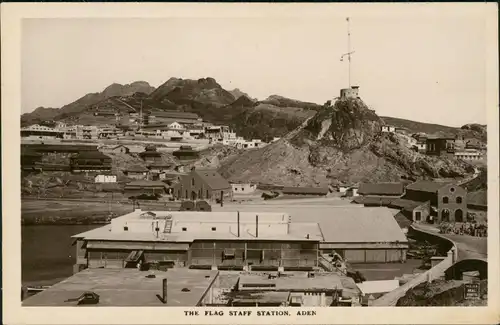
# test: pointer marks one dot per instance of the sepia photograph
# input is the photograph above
(265, 161)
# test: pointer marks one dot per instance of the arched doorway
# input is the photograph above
(193, 195)
(445, 215)
(459, 215)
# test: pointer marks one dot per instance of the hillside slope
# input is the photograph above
(341, 143)
(273, 117)
(83, 104)
(475, 131)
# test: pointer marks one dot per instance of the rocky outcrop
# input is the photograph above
(341, 143)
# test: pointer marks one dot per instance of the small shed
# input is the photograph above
(136, 172)
(317, 191)
(105, 178)
(381, 189)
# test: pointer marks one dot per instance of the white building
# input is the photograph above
(469, 154)
(388, 128)
(105, 178)
(176, 126)
(245, 188)
(41, 132)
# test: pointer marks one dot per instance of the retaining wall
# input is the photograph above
(391, 298)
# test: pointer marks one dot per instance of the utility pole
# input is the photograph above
(349, 52)
(140, 117)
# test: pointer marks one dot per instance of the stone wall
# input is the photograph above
(391, 298)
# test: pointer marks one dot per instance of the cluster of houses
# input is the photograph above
(457, 147)
(170, 126)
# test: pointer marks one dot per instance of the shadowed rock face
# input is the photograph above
(341, 143)
(346, 126)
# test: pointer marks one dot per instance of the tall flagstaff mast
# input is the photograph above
(349, 52)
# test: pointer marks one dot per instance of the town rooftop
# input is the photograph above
(129, 287)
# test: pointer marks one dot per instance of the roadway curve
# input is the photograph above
(469, 247)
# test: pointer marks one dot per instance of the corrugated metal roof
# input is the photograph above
(359, 225)
(427, 186)
(478, 198)
(144, 183)
(305, 190)
(137, 168)
(405, 204)
(213, 179)
(374, 200)
(381, 189)
(176, 114)
(92, 155)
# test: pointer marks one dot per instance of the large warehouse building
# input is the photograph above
(241, 240)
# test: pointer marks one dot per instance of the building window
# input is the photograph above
(418, 216)
(125, 228)
(452, 189)
(192, 182)
(445, 199)
(459, 216)
(459, 199)
(184, 229)
(214, 229)
(235, 188)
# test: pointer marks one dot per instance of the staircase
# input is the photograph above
(168, 225)
(325, 264)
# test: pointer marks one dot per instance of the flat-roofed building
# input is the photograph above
(243, 188)
(131, 287)
(395, 189)
(243, 240)
(294, 289)
(89, 161)
(199, 239)
(362, 235)
(136, 172)
(41, 132)
(469, 154)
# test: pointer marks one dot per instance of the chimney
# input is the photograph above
(257, 225)
(238, 223)
(164, 291)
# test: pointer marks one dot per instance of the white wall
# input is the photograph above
(105, 179)
(243, 188)
(194, 221)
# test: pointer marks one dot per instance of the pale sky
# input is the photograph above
(428, 68)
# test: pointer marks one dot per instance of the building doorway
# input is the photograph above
(459, 215)
(193, 195)
(445, 215)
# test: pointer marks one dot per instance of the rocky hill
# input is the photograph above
(341, 143)
(39, 114)
(191, 92)
(83, 104)
(273, 117)
(476, 131)
(237, 93)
